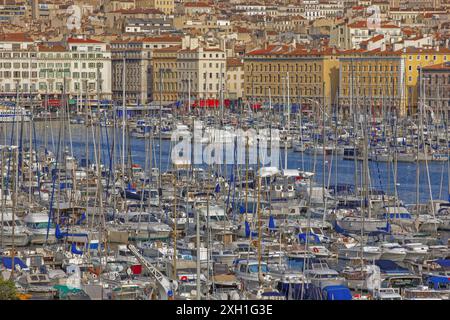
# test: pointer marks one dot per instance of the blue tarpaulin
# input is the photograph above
(438, 282)
(7, 262)
(445, 263)
(337, 293)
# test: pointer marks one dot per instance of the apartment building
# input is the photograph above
(436, 88)
(350, 35)
(165, 74)
(374, 78)
(309, 74)
(235, 79)
(414, 59)
(166, 6)
(76, 66)
(202, 72)
(138, 67)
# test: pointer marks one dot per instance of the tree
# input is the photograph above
(7, 290)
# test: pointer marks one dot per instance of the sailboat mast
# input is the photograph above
(124, 115)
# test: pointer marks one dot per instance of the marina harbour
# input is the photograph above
(96, 206)
(229, 157)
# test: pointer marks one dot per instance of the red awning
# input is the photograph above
(210, 103)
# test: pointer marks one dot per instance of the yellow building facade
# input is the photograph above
(414, 59)
(310, 75)
(165, 79)
(372, 80)
(166, 6)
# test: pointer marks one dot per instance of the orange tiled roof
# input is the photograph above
(441, 66)
(162, 39)
(234, 62)
(15, 37)
(75, 40)
(55, 48)
(168, 49)
(138, 11)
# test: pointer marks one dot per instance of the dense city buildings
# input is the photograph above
(294, 51)
(224, 150)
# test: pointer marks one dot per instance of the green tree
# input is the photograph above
(7, 290)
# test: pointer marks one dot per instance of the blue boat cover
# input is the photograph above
(7, 262)
(74, 249)
(312, 237)
(83, 217)
(272, 223)
(389, 266)
(436, 281)
(339, 229)
(60, 235)
(247, 229)
(445, 263)
(337, 293)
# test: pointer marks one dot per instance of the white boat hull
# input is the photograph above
(393, 256)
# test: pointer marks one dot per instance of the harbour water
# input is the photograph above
(337, 170)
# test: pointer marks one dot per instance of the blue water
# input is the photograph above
(406, 184)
